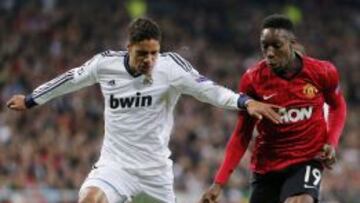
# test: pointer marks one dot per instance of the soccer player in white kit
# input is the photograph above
(141, 88)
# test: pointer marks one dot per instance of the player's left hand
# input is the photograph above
(212, 194)
(328, 156)
(259, 110)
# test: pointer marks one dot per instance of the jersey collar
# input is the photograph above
(291, 74)
(128, 69)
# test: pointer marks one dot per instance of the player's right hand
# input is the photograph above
(17, 103)
(259, 110)
(211, 195)
(328, 156)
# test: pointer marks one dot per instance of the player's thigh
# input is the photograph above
(117, 185)
(304, 198)
(266, 188)
(302, 182)
(98, 191)
(160, 187)
(92, 195)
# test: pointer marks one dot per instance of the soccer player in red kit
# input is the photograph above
(287, 158)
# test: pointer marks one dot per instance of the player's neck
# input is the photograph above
(292, 69)
(130, 68)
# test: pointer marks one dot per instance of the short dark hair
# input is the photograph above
(143, 29)
(278, 21)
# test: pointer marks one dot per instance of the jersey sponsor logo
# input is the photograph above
(296, 114)
(310, 90)
(129, 102)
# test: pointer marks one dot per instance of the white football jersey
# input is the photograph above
(138, 112)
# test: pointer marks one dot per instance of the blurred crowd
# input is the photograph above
(52, 148)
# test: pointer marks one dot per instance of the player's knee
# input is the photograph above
(92, 195)
(304, 198)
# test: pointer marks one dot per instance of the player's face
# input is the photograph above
(276, 47)
(143, 55)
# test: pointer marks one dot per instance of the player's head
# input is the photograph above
(278, 41)
(144, 45)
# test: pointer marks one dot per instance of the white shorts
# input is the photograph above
(121, 185)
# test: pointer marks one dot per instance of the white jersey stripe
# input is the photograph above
(190, 67)
(53, 84)
(180, 62)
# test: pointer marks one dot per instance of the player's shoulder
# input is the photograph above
(318, 66)
(111, 54)
(109, 57)
(256, 70)
(174, 59)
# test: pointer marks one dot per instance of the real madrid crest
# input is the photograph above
(148, 80)
(310, 90)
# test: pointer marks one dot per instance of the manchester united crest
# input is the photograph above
(310, 90)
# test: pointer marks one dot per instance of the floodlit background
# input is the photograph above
(46, 153)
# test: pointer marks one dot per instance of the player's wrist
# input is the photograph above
(330, 144)
(243, 101)
(248, 102)
(218, 185)
(29, 101)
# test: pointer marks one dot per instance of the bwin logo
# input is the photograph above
(129, 102)
(295, 115)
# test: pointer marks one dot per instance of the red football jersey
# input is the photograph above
(303, 131)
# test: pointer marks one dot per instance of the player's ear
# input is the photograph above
(292, 43)
(291, 37)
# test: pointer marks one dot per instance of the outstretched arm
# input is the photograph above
(70, 81)
(185, 79)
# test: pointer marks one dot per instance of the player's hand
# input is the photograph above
(259, 110)
(328, 156)
(17, 103)
(211, 195)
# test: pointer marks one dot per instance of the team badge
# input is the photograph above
(310, 90)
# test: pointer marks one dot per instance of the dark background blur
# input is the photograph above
(46, 153)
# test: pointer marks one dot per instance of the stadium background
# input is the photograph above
(46, 153)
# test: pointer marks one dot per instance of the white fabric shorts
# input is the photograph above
(121, 185)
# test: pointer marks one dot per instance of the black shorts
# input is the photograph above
(276, 187)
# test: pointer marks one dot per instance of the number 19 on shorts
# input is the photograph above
(312, 177)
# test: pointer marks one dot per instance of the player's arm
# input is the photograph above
(70, 81)
(236, 146)
(235, 150)
(187, 80)
(337, 114)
